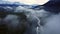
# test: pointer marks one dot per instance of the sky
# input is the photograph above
(30, 2)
